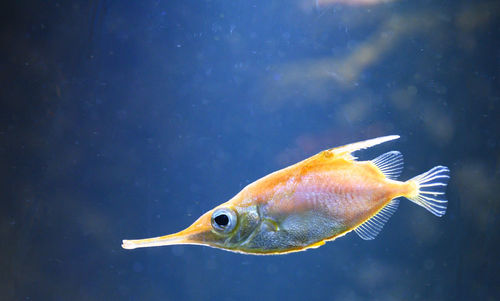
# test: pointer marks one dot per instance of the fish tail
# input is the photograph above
(428, 190)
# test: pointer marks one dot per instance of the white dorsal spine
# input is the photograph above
(349, 148)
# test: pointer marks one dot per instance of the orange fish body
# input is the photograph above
(313, 201)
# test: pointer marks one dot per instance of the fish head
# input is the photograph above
(225, 227)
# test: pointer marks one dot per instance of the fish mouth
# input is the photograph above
(199, 233)
(166, 240)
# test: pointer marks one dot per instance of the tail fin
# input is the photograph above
(430, 190)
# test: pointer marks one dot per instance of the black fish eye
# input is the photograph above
(224, 220)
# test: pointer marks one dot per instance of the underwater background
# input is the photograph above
(129, 119)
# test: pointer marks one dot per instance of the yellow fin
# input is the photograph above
(316, 244)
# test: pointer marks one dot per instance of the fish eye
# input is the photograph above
(224, 220)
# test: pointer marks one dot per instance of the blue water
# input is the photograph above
(128, 120)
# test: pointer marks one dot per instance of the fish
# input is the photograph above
(311, 202)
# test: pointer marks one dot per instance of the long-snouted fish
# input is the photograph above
(311, 202)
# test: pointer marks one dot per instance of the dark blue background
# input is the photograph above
(124, 119)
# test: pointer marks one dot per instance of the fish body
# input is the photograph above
(311, 202)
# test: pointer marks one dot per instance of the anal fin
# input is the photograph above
(372, 227)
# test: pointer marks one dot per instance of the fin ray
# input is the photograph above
(430, 191)
(372, 227)
(390, 164)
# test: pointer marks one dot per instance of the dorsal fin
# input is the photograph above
(390, 164)
(372, 227)
(346, 150)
